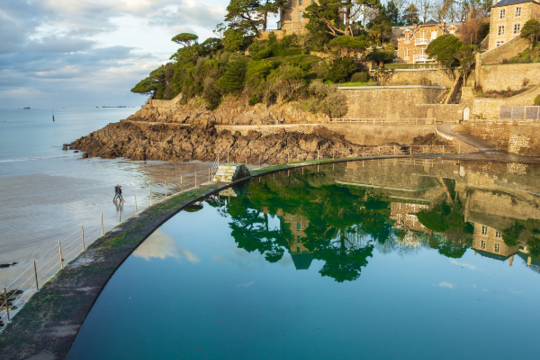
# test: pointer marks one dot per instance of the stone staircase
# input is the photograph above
(231, 172)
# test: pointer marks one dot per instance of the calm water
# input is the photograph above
(375, 260)
(47, 194)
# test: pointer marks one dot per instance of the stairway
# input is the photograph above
(231, 172)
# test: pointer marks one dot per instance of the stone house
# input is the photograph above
(412, 41)
(508, 17)
(292, 20)
(489, 240)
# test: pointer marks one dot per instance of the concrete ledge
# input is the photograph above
(390, 87)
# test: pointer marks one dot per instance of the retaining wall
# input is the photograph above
(489, 108)
(391, 102)
(360, 134)
(502, 77)
(165, 104)
(414, 76)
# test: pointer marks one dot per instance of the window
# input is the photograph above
(517, 28)
(406, 58)
(299, 15)
(299, 2)
(502, 14)
(483, 244)
(501, 30)
(298, 226)
(298, 238)
(497, 234)
(518, 12)
(499, 43)
(433, 35)
(497, 247)
(298, 249)
(484, 230)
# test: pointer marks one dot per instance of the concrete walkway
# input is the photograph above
(467, 139)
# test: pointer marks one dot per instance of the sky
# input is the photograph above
(79, 53)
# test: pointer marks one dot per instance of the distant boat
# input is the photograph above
(26, 108)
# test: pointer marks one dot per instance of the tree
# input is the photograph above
(338, 17)
(233, 79)
(531, 31)
(243, 15)
(381, 56)
(234, 40)
(444, 49)
(410, 15)
(185, 39)
(152, 84)
(349, 44)
(425, 7)
(267, 7)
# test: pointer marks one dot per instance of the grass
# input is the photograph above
(353, 84)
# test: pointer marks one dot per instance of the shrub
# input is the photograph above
(341, 69)
(360, 77)
(254, 99)
(478, 88)
(233, 80)
(526, 82)
(537, 101)
(211, 94)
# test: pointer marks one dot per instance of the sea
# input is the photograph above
(49, 195)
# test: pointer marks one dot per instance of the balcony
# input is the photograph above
(420, 42)
(421, 58)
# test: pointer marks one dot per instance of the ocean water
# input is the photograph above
(31, 134)
(333, 262)
(47, 194)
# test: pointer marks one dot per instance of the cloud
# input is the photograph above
(161, 246)
(245, 284)
(446, 285)
(454, 262)
(90, 52)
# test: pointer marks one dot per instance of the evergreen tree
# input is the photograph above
(410, 15)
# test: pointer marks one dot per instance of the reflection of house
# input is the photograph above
(301, 256)
(414, 40)
(403, 214)
(489, 242)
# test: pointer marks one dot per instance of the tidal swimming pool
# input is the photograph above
(377, 260)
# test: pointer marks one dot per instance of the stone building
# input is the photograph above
(292, 20)
(489, 240)
(508, 17)
(300, 255)
(404, 215)
(412, 41)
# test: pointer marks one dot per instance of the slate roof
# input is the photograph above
(510, 2)
(492, 256)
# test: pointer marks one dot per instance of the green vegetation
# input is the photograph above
(450, 52)
(243, 63)
(531, 31)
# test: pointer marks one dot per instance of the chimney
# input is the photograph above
(443, 24)
(415, 26)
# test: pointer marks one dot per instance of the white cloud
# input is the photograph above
(159, 245)
(245, 284)
(63, 51)
(455, 262)
(446, 285)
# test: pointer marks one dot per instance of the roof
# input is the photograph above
(492, 256)
(302, 261)
(510, 2)
(430, 22)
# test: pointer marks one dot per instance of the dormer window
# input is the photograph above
(518, 11)
(502, 14)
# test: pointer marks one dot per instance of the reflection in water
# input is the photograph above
(160, 246)
(340, 213)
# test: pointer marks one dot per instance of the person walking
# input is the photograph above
(116, 192)
(120, 194)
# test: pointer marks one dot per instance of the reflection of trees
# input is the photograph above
(345, 224)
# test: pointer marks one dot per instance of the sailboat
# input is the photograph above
(53, 114)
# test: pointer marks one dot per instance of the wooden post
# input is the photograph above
(333, 154)
(166, 192)
(181, 185)
(195, 179)
(443, 149)
(119, 215)
(7, 305)
(60, 254)
(318, 154)
(102, 216)
(259, 161)
(288, 157)
(150, 194)
(410, 149)
(459, 148)
(35, 275)
(135, 204)
(82, 230)
(209, 175)
(394, 149)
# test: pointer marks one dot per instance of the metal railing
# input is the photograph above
(42, 269)
(391, 121)
(421, 42)
(421, 57)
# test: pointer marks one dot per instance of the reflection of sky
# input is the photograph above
(234, 304)
(160, 246)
